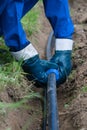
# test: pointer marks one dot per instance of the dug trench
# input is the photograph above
(72, 95)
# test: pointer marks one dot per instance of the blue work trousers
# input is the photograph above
(57, 12)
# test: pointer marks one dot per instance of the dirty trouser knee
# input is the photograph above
(57, 12)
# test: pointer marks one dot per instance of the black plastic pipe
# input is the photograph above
(44, 122)
(53, 119)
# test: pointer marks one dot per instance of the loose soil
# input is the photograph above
(72, 95)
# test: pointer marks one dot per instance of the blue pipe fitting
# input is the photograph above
(55, 72)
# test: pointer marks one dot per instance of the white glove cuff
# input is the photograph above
(26, 53)
(63, 44)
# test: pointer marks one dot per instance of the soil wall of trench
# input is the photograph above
(72, 95)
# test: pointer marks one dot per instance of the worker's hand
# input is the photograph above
(62, 58)
(36, 68)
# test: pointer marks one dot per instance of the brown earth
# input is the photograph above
(72, 100)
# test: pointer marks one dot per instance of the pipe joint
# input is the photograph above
(56, 72)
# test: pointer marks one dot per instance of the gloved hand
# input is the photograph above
(32, 65)
(36, 68)
(62, 58)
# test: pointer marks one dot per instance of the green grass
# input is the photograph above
(10, 73)
(10, 70)
(8, 129)
(4, 106)
(30, 20)
(72, 75)
(84, 89)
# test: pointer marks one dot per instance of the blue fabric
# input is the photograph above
(14, 35)
(57, 12)
(1, 33)
(2, 5)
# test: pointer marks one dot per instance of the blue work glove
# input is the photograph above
(62, 58)
(32, 65)
(36, 68)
